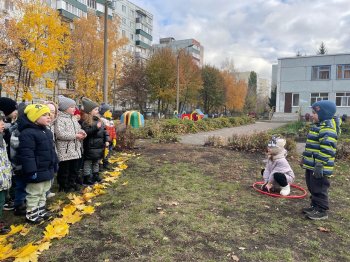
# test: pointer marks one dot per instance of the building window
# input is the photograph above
(124, 21)
(318, 97)
(342, 99)
(124, 8)
(9, 5)
(343, 71)
(91, 4)
(131, 36)
(295, 100)
(321, 72)
(123, 33)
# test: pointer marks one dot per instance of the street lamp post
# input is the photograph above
(105, 53)
(178, 77)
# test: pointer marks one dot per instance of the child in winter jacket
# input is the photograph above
(95, 142)
(318, 157)
(106, 117)
(18, 181)
(278, 175)
(38, 157)
(5, 173)
(69, 136)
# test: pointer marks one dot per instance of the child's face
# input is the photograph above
(94, 111)
(52, 111)
(2, 126)
(70, 110)
(13, 115)
(44, 120)
(314, 117)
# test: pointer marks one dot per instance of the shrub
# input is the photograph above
(343, 149)
(257, 142)
(125, 137)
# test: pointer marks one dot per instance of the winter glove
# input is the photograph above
(114, 142)
(318, 170)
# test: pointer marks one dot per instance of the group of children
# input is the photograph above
(38, 141)
(317, 160)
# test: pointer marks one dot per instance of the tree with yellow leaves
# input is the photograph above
(190, 82)
(235, 92)
(87, 53)
(36, 41)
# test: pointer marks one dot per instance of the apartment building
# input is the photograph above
(192, 46)
(303, 80)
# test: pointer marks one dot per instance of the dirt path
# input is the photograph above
(200, 138)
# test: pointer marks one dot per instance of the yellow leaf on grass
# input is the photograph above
(44, 246)
(88, 210)
(15, 229)
(27, 253)
(98, 192)
(78, 200)
(97, 204)
(68, 210)
(6, 251)
(88, 196)
(99, 186)
(111, 179)
(114, 174)
(80, 207)
(24, 231)
(71, 196)
(123, 166)
(125, 183)
(56, 231)
(55, 207)
(87, 190)
(73, 218)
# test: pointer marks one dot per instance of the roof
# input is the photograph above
(307, 56)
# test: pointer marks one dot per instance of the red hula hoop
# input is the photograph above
(279, 195)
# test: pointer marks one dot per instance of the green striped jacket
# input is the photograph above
(321, 145)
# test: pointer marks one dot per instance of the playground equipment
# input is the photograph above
(196, 115)
(133, 119)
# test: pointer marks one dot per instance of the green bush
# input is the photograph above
(343, 149)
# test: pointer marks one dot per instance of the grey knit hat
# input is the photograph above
(64, 103)
(88, 105)
(104, 108)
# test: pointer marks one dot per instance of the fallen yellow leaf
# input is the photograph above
(27, 253)
(24, 231)
(88, 210)
(123, 166)
(125, 183)
(68, 210)
(44, 246)
(56, 231)
(88, 196)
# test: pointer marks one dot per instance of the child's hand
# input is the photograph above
(99, 124)
(318, 171)
(268, 187)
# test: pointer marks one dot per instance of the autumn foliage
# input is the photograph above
(235, 92)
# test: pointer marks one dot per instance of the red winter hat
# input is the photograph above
(77, 112)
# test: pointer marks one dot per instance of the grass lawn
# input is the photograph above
(192, 203)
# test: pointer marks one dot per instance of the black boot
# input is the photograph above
(20, 210)
(33, 217)
(87, 181)
(96, 177)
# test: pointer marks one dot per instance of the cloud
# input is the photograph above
(254, 33)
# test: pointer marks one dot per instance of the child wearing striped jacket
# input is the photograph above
(318, 157)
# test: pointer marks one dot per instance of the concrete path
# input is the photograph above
(200, 138)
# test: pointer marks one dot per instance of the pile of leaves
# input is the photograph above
(67, 215)
(167, 130)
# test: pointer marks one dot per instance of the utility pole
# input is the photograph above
(105, 54)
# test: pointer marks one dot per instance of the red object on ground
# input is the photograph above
(279, 195)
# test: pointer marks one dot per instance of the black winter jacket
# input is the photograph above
(94, 143)
(36, 152)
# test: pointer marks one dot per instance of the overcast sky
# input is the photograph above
(254, 33)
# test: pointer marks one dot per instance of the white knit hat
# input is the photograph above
(277, 143)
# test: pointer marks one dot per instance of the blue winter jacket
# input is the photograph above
(36, 151)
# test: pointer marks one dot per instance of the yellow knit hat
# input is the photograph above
(108, 114)
(35, 111)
